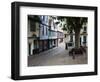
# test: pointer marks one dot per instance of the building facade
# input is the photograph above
(33, 35)
(52, 33)
(42, 35)
(70, 37)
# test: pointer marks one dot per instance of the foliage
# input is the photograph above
(72, 23)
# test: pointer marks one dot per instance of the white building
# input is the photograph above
(70, 38)
(33, 35)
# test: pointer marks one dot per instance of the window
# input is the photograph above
(54, 25)
(84, 39)
(71, 38)
(43, 18)
(85, 29)
(35, 44)
(32, 26)
(49, 22)
(46, 31)
(42, 30)
(65, 35)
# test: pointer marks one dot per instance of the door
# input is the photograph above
(80, 41)
(29, 48)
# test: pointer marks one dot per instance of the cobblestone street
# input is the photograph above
(56, 56)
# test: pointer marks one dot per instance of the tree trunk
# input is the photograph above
(77, 38)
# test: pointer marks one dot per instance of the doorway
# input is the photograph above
(29, 49)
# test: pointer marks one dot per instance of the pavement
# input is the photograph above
(56, 56)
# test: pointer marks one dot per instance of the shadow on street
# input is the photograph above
(56, 56)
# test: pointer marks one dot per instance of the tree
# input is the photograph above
(74, 24)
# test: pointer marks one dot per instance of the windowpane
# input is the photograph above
(32, 26)
(84, 38)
